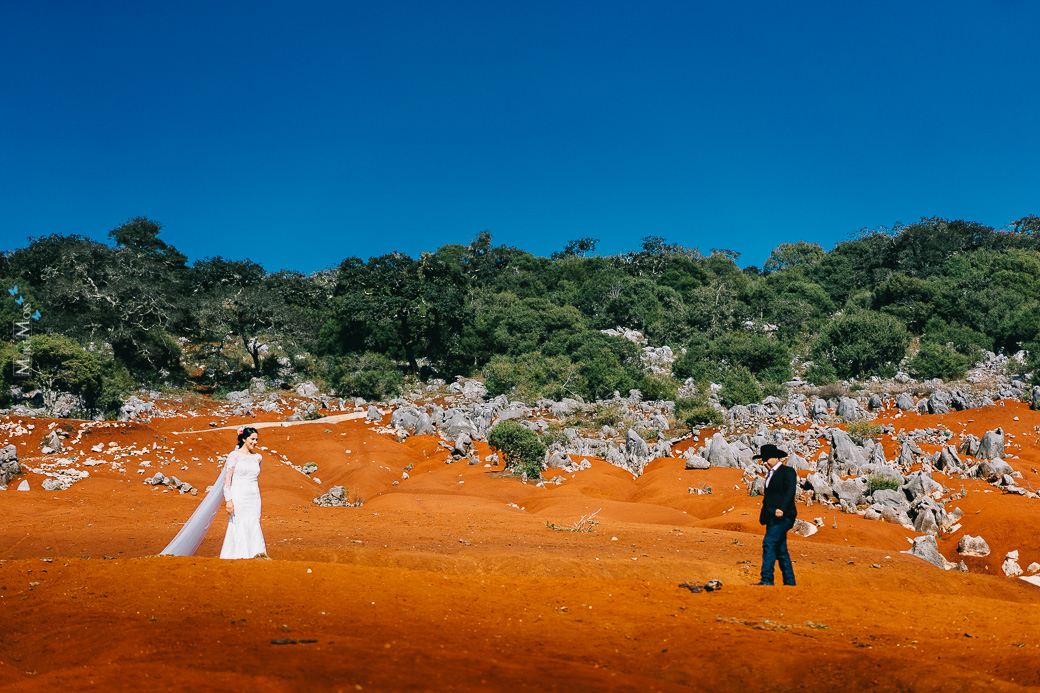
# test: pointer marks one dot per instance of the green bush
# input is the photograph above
(821, 373)
(862, 343)
(520, 446)
(862, 431)
(877, 483)
(965, 340)
(766, 357)
(938, 361)
(658, 387)
(608, 414)
(739, 387)
(530, 377)
(60, 364)
(369, 375)
(703, 415)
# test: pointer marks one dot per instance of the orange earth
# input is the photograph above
(462, 578)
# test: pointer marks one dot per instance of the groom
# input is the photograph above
(778, 514)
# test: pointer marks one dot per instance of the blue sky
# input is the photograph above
(298, 134)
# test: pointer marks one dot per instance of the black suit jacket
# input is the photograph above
(780, 494)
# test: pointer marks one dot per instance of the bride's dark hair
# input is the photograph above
(244, 433)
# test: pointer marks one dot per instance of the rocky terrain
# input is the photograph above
(403, 555)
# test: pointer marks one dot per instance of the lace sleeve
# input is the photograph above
(229, 473)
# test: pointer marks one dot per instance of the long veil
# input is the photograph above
(187, 541)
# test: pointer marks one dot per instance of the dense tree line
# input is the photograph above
(136, 312)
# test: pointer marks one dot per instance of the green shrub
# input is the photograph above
(370, 375)
(703, 415)
(60, 364)
(877, 483)
(862, 431)
(530, 377)
(862, 343)
(554, 434)
(740, 387)
(938, 361)
(695, 364)
(658, 387)
(821, 373)
(609, 414)
(965, 340)
(520, 446)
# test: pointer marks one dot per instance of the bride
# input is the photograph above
(237, 486)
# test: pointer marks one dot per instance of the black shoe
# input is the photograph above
(762, 584)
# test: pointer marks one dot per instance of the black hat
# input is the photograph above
(769, 452)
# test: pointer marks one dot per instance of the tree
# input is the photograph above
(800, 254)
(579, 247)
(861, 343)
(520, 446)
(143, 234)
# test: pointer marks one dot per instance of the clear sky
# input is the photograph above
(300, 133)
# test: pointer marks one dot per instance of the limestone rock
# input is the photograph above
(803, 528)
(1010, 565)
(994, 469)
(992, 445)
(9, 467)
(926, 548)
(972, 546)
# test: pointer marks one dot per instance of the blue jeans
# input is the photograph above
(774, 548)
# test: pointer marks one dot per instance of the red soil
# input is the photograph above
(453, 580)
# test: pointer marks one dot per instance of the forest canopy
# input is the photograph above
(927, 298)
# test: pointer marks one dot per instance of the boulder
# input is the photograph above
(405, 418)
(993, 470)
(875, 402)
(374, 414)
(1010, 566)
(969, 445)
(850, 491)
(558, 460)
(939, 402)
(927, 515)
(803, 528)
(890, 497)
(819, 409)
(456, 423)
(991, 445)
(846, 456)
(972, 546)
(722, 454)
(1036, 398)
(948, 462)
(848, 409)
(135, 407)
(336, 497)
(919, 483)
(565, 407)
(307, 389)
(905, 402)
(820, 488)
(926, 548)
(895, 515)
(462, 446)
(695, 461)
(9, 467)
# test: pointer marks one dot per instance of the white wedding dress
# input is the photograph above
(237, 482)
(243, 539)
